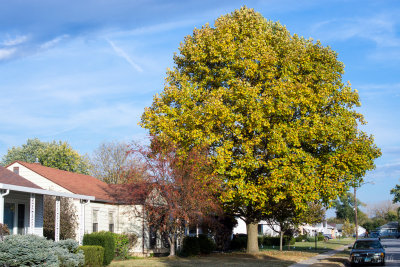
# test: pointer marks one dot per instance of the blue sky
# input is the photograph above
(83, 71)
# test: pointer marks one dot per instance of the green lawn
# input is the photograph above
(266, 257)
(322, 246)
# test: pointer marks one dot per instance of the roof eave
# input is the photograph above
(44, 192)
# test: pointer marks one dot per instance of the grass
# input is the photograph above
(266, 257)
(322, 246)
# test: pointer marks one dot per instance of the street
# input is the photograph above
(392, 251)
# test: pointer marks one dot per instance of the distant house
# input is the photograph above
(361, 230)
(24, 184)
(389, 230)
(263, 228)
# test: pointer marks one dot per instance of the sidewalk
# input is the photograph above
(318, 258)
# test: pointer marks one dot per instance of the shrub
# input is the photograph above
(3, 231)
(68, 253)
(32, 250)
(104, 239)
(320, 237)
(300, 238)
(239, 241)
(206, 244)
(260, 240)
(27, 250)
(68, 244)
(190, 246)
(94, 255)
(275, 241)
(123, 243)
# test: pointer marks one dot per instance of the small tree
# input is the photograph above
(68, 218)
(344, 206)
(285, 217)
(3, 231)
(176, 191)
(112, 163)
(348, 228)
(55, 154)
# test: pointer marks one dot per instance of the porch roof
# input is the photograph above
(43, 192)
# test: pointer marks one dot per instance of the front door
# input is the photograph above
(9, 214)
(21, 219)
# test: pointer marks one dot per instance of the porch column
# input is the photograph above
(82, 220)
(2, 195)
(32, 212)
(57, 221)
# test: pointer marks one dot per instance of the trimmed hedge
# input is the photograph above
(103, 239)
(94, 255)
(239, 241)
(275, 241)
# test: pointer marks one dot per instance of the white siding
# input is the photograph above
(125, 220)
(37, 179)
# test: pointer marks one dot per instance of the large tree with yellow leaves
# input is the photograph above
(274, 111)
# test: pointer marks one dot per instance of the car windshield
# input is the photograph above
(367, 245)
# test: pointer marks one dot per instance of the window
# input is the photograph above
(16, 170)
(95, 221)
(111, 222)
(260, 229)
(153, 237)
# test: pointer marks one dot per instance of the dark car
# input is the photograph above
(368, 250)
(375, 235)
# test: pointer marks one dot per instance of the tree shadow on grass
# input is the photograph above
(213, 260)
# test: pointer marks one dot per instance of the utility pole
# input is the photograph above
(355, 210)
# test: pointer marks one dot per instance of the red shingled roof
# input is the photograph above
(9, 177)
(75, 182)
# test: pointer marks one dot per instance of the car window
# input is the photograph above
(367, 245)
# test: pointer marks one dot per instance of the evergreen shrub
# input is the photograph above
(32, 250)
(300, 238)
(239, 241)
(190, 246)
(270, 241)
(206, 244)
(94, 255)
(104, 239)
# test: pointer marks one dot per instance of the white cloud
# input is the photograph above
(53, 42)
(380, 29)
(161, 27)
(120, 52)
(15, 41)
(7, 53)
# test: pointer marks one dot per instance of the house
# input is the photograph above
(21, 203)
(95, 202)
(389, 229)
(263, 228)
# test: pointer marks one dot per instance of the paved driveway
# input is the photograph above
(392, 251)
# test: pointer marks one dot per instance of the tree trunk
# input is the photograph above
(281, 240)
(171, 241)
(252, 237)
